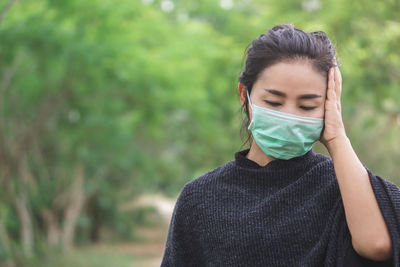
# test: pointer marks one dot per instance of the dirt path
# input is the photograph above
(149, 251)
(152, 250)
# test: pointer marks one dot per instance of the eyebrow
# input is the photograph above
(279, 93)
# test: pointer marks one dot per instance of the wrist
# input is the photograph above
(337, 144)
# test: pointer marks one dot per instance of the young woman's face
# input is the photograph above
(294, 88)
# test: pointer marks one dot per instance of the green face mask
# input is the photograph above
(282, 135)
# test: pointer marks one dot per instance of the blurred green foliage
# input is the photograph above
(141, 96)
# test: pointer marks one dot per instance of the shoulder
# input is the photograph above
(322, 169)
(322, 162)
(210, 177)
(321, 158)
(194, 189)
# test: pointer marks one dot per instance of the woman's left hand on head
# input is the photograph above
(334, 127)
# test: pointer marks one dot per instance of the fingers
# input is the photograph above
(331, 84)
(338, 87)
(334, 87)
(338, 82)
(331, 93)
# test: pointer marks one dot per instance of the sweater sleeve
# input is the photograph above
(180, 248)
(388, 197)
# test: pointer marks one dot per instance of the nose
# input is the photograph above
(291, 109)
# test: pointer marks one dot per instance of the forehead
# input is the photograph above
(292, 78)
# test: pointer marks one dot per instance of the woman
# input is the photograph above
(278, 203)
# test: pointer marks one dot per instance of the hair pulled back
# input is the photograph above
(284, 43)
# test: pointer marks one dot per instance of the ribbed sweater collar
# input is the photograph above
(296, 163)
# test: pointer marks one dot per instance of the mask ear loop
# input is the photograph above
(248, 97)
(251, 105)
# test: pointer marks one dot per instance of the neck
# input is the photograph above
(257, 155)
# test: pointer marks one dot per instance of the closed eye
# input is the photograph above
(272, 103)
(307, 108)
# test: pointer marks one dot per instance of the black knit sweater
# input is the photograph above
(287, 213)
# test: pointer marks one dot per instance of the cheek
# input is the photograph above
(320, 112)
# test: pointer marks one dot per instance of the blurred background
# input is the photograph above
(107, 108)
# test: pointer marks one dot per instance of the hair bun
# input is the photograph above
(319, 34)
(282, 27)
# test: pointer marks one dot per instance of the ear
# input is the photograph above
(242, 93)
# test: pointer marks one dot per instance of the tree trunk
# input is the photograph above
(26, 224)
(53, 231)
(73, 209)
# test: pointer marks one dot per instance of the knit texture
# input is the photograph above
(287, 213)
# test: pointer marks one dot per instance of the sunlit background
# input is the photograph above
(107, 108)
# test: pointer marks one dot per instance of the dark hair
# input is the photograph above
(283, 42)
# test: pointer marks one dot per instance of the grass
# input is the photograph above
(87, 257)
